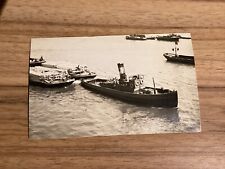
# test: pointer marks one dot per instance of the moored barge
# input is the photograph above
(49, 77)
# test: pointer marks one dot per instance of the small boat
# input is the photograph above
(132, 90)
(136, 37)
(49, 77)
(81, 72)
(171, 37)
(179, 58)
(36, 62)
(151, 38)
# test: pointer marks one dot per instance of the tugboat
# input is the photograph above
(136, 37)
(79, 72)
(179, 58)
(36, 62)
(49, 77)
(132, 90)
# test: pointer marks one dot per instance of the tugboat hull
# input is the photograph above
(179, 59)
(156, 100)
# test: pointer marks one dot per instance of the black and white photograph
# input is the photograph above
(112, 85)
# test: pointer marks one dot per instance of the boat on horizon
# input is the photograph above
(171, 37)
(132, 90)
(136, 37)
(49, 77)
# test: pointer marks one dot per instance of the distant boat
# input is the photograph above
(36, 62)
(132, 90)
(171, 37)
(49, 77)
(136, 37)
(151, 38)
(79, 72)
(179, 58)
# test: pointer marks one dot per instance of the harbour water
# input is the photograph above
(74, 111)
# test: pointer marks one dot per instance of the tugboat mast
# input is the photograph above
(176, 49)
(154, 85)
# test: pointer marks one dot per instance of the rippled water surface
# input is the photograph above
(75, 111)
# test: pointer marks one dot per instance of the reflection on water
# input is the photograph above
(168, 114)
(47, 91)
(75, 111)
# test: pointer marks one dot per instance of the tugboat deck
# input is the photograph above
(151, 90)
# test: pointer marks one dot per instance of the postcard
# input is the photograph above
(112, 85)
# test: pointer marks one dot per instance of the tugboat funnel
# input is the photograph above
(123, 76)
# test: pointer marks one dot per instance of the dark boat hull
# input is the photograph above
(134, 38)
(38, 63)
(78, 77)
(179, 58)
(151, 38)
(49, 85)
(167, 39)
(185, 37)
(155, 100)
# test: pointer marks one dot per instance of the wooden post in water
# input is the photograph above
(154, 85)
